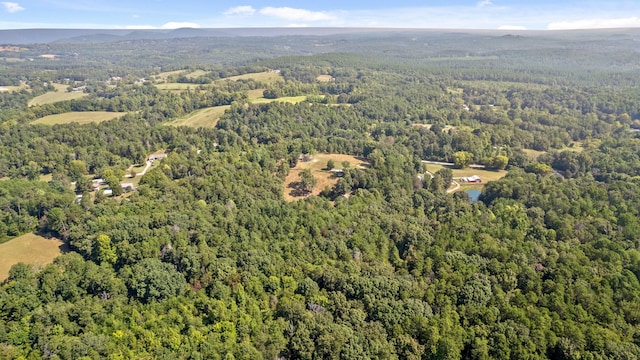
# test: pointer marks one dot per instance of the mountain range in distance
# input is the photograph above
(40, 36)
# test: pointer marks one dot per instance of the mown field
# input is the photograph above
(176, 86)
(323, 177)
(30, 249)
(86, 117)
(324, 78)
(267, 77)
(60, 94)
(207, 118)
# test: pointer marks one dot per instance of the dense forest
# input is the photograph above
(207, 259)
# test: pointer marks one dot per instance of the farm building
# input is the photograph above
(337, 172)
(153, 157)
(471, 179)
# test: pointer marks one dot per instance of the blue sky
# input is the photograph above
(452, 14)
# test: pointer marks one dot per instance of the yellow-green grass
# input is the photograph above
(12, 60)
(255, 94)
(85, 117)
(446, 128)
(196, 74)
(289, 99)
(60, 94)
(266, 77)
(485, 175)
(30, 249)
(318, 166)
(176, 86)
(207, 118)
(11, 88)
(166, 74)
(324, 78)
(533, 154)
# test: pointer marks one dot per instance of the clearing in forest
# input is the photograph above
(196, 74)
(485, 175)
(178, 87)
(84, 117)
(207, 118)
(265, 77)
(60, 94)
(324, 178)
(324, 78)
(30, 249)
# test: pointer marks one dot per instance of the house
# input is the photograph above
(127, 185)
(471, 179)
(337, 172)
(153, 157)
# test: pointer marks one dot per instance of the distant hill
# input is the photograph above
(46, 36)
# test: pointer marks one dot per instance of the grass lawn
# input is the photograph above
(207, 118)
(324, 78)
(485, 175)
(322, 176)
(266, 77)
(255, 94)
(28, 248)
(533, 154)
(60, 94)
(85, 117)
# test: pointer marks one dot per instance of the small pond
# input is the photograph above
(473, 194)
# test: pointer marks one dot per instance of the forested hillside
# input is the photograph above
(182, 243)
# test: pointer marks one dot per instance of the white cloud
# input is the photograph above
(12, 7)
(135, 16)
(241, 10)
(484, 3)
(595, 24)
(139, 27)
(293, 14)
(177, 25)
(512, 27)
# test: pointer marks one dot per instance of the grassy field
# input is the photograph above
(533, 154)
(176, 86)
(60, 94)
(485, 175)
(196, 74)
(266, 77)
(207, 118)
(322, 176)
(289, 99)
(79, 117)
(324, 78)
(166, 74)
(29, 248)
(10, 88)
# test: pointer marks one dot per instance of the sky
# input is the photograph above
(429, 14)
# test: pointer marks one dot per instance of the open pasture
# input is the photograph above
(60, 94)
(207, 118)
(85, 117)
(30, 249)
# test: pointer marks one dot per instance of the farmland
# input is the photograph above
(60, 94)
(485, 175)
(30, 249)
(86, 117)
(318, 165)
(266, 77)
(207, 118)
(177, 87)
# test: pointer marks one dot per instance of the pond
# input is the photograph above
(473, 194)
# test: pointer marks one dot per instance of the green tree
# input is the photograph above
(307, 180)
(154, 280)
(103, 250)
(462, 159)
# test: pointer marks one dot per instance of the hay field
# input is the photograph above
(207, 118)
(28, 248)
(322, 176)
(60, 94)
(266, 77)
(176, 86)
(85, 117)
